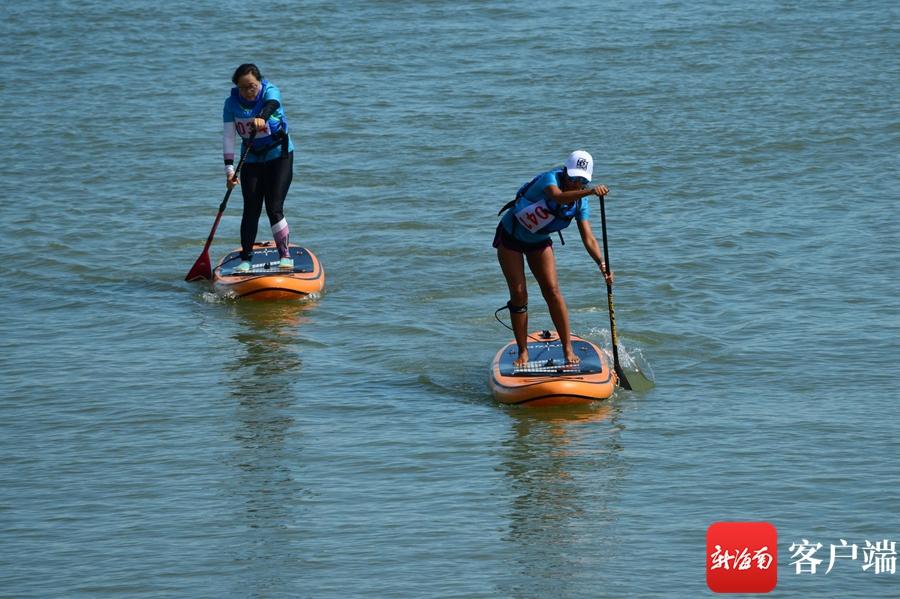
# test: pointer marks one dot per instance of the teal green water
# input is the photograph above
(158, 441)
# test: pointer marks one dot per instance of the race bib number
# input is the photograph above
(534, 216)
(244, 128)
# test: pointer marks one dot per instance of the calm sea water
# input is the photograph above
(158, 441)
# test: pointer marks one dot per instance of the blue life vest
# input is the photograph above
(543, 215)
(277, 122)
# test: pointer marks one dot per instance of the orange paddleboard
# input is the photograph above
(546, 380)
(265, 280)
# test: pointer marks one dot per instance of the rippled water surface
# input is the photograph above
(159, 441)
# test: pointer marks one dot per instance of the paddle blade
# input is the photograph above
(633, 372)
(636, 370)
(640, 381)
(623, 380)
(202, 269)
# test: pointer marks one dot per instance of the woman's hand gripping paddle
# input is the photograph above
(623, 382)
(202, 268)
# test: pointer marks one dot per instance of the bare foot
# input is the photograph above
(569, 353)
(522, 360)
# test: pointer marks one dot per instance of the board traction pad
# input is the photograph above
(265, 262)
(546, 359)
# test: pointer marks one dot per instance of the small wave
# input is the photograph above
(635, 365)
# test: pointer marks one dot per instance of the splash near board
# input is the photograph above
(546, 380)
(265, 280)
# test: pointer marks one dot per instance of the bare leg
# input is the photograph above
(513, 266)
(543, 265)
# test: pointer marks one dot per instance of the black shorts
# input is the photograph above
(501, 237)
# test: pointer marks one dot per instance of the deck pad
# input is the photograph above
(546, 359)
(265, 262)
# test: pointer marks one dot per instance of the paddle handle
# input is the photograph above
(609, 299)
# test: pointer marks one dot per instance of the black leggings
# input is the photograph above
(263, 183)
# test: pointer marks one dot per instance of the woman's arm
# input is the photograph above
(268, 109)
(592, 247)
(272, 97)
(228, 153)
(228, 142)
(566, 198)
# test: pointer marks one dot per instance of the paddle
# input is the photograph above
(623, 382)
(202, 268)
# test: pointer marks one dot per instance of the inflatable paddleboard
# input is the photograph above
(265, 280)
(546, 380)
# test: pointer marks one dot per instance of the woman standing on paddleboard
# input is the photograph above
(546, 204)
(254, 106)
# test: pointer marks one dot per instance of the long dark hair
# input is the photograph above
(244, 69)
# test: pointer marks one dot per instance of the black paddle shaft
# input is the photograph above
(609, 299)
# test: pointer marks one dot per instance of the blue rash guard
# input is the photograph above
(531, 219)
(237, 115)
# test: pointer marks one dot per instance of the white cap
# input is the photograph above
(580, 164)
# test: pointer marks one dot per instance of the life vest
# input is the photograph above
(543, 216)
(278, 128)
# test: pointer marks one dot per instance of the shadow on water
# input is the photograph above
(565, 472)
(268, 496)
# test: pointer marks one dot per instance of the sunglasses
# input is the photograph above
(579, 181)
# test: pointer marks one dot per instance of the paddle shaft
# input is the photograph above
(609, 299)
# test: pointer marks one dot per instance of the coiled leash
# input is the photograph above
(514, 310)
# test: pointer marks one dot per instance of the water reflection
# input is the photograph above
(565, 472)
(263, 383)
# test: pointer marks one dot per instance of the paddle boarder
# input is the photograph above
(546, 204)
(254, 106)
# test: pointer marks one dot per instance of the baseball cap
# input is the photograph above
(580, 164)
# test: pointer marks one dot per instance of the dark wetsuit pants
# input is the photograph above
(263, 183)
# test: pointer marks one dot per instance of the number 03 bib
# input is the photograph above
(244, 127)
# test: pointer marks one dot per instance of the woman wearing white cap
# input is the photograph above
(548, 203)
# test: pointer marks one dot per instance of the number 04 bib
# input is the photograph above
(534, 216)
